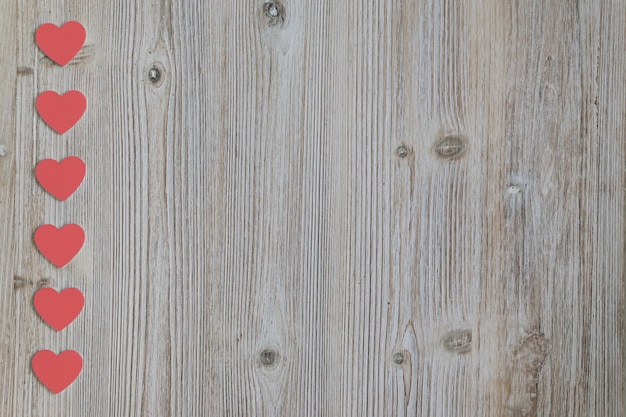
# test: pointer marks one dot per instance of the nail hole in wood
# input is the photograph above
(275, 13)
(268, 357)
(451, 147)
(402, 151)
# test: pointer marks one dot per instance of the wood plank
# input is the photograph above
(329, 208)
(9, 321)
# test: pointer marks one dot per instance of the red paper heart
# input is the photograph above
(59, 309)
(57, 372)
(59, 246)
(61, 112)
(61, 44)
(61, 179)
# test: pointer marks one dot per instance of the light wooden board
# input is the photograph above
(256, 243)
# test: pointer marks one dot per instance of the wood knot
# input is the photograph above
(22, 71)
(398, 358)
(268, 357)
(458, 341)
(513, 189)
(274, 11)
(528, 358)
(43, 282)
(20, 282)
(156, 74)
(451, 147)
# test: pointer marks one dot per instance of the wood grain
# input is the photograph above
(258, 245)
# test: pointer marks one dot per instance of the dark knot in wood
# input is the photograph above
(154, 75)
(20, 282)
(275, 13)
(268, 357)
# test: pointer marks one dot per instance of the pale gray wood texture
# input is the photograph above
(257, 244)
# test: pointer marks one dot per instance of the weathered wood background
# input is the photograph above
(275, 227)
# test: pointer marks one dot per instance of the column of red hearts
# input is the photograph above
(60, 179)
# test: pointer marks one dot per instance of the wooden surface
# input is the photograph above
(256, 245)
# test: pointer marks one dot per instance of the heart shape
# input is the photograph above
(59, 309)
(61, 112)
(59, 246)
(61, 44)
(57, 372)
(61, 179)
